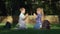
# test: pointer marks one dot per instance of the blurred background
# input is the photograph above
(9, 11)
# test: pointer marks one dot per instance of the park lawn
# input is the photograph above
(55, 29)
(30, 31)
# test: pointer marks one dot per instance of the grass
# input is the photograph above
(30, 31)
(55, 29)
(55, 26)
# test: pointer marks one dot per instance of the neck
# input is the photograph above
(22, 13)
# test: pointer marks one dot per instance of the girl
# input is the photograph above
(39, 19)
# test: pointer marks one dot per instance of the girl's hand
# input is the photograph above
(35, 15)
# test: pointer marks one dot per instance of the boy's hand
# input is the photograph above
(27, 15)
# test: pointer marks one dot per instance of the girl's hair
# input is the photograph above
(42, 13)
(41, 10)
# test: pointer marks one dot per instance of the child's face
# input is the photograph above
(38, 11)
(23, 10)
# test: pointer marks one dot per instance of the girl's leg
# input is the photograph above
(37, 26)
(40, 25)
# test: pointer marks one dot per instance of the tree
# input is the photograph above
(2, 8)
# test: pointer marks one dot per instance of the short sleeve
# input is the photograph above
(22, 16)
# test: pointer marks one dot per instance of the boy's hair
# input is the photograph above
(21, 8)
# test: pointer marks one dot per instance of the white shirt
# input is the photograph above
(21, 20)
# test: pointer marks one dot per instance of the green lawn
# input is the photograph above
(55, 29)
(30, 31)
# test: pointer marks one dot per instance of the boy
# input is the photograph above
(22, 17)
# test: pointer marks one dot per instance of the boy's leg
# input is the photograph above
(22, 26)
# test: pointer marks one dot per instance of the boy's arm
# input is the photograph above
(24, 17)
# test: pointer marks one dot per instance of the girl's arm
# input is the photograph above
(35, 16)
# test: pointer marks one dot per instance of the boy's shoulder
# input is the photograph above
(21, 15)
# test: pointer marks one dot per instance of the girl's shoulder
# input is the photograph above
(39, 14)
